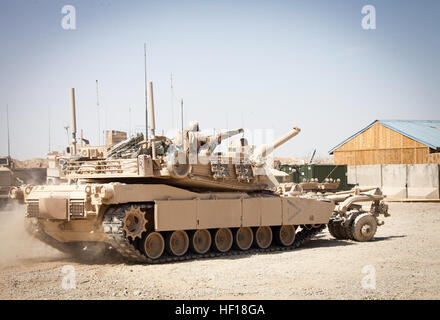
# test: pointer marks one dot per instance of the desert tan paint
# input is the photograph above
(251, 212)
(174, 209)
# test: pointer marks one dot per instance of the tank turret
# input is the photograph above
(188, 160)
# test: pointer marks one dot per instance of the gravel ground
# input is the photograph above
(404, 257)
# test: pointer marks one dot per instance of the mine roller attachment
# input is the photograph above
(134, 222)
(350, 220)
(364, 227)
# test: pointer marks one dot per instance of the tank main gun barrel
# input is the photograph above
(266, 149)
(214, 140)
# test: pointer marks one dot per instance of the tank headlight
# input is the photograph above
(106, 192)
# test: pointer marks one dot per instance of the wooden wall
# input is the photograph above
(381, 145)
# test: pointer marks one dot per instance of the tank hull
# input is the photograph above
(73, 213)
(90, 213)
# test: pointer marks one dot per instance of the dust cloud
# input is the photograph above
(17, 247)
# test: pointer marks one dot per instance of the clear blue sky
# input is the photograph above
(257, 64)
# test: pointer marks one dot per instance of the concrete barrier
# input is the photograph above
(394, 180)
(401, 181)
(423, 181)
(369, 176)
(351, 175)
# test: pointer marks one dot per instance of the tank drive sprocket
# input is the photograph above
(134, 222)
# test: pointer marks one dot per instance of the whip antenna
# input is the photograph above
(146, 93)
(7, 124)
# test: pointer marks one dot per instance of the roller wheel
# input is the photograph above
(152, 245)
(263, 237)
(200, 241)
(243, 238)
(364, 227)
(177, 243)
(337, 230)
(285, 235)
(223, 240)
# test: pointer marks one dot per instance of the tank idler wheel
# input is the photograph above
(285, 235)
(177, 243)
(364, 227)
(152, 245)
(222, 240)
(263, 237)
(243, 238)
(200, 241)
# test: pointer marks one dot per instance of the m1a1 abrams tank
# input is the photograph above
(158, 199)
(7, 180)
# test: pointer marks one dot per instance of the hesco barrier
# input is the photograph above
(402, 181)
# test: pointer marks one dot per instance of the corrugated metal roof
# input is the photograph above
(426, 132)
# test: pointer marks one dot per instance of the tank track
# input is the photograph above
(113, 228)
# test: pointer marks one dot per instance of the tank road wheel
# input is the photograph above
(152, 245)
(134, 222)
(177, 243)
(222, 240)
(263, 237)
(243, 238)
(364, 227)
(200, 241)
(285, 235)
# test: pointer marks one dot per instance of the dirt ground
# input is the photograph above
(403, 262)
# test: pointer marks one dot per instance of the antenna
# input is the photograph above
(73, 120)
(49, 126)
(97, 109)
(172, 102)
(146, 93)
(129, 121)
(7, 124)
(67, 132)
(181, 116)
